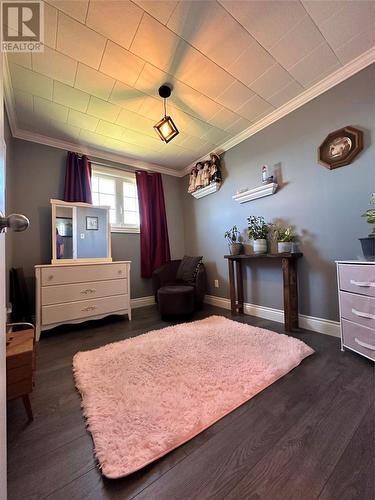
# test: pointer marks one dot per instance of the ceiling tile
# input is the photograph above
(235, 95)
(121, 64)
(271, 81)
(92, 138)
(49, 109)
(102, 109)
(126, 97)
(191, 70)
(224, 119)
(110, 129)
(20, 58)
(160, 9)
(214, 135)
(151, 78)
(117, 20)
(211, 29)
(142, 140)
(297, 43)
(93, 82)
(251, 64)
(81, 120)
(319, 63)
(24, 102)
(55, 65)
(79, 42)
(356, 46)
(285, 94)
(134, 121)
(353, 18)
(322, 10)
(71, 97)
(238, 126)
(74, 8)
(63, 131)
(31, 82)
(266, 21)
(158, 45)
(50, 25)
(152, 108)
(254, 107)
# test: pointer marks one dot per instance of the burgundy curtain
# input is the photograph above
(153, 221)
(77, 178)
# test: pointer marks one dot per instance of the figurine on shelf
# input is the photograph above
(206, 173)
(192, 180)
(215, 173)
(199, 182)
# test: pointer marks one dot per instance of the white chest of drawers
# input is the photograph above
(74, 293)
(356, 283)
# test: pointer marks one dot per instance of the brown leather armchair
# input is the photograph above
(165, 278)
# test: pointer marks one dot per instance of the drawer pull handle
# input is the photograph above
(89, 308)
(50, 277)
(363, 344)
(119, 271)
(363, 314)
(88, 290)
(362, 283)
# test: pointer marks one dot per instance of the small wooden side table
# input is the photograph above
(20, 362)
(288, 263)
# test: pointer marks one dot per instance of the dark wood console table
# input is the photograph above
(288, 263)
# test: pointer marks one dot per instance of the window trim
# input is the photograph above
(118, 173)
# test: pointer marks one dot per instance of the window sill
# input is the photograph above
(127, 230)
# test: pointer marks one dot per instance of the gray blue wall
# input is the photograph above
(324, 206)
(37, 175)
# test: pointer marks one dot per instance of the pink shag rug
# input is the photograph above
(147, 395)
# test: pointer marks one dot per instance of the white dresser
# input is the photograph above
(356, 283)
(73, 293)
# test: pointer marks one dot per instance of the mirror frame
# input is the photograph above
(54, 260)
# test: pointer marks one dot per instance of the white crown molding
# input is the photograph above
(320, 325)
(316, 90)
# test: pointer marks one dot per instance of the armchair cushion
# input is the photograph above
(188, 268)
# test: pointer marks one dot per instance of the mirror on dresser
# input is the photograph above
(80, 232)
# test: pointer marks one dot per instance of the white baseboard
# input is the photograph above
(320, 325)
(142, 302)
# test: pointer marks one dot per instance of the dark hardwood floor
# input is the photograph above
(310, 435)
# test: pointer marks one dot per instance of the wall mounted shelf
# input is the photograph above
(253, 194)
(211, 188)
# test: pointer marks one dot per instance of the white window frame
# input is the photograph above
(120, 177)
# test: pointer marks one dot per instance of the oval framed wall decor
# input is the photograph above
(340, 147)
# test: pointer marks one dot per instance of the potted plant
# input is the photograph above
(368, 244)
(257, 230)
(233, 238)
(285, 237)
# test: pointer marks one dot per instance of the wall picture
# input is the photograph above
(92, 223)
(340, 147)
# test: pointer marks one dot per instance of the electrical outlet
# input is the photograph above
(216, 283)
(82, 236)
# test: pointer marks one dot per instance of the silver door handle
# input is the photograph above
(362, 283)
(15, 222)
(363, 314)
(364, 344)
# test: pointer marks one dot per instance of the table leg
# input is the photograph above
(239, 286)
(232, 286)
(289, 267)
(27, 404)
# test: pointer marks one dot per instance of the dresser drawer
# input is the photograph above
(56, 294)
(68, 311)
(60, 275)
(359, 337)
(358, 308)
(357, 278)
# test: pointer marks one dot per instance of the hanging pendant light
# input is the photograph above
(165, 128)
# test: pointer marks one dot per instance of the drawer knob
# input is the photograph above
(362, 283)
(363, 314)
(364, 344)
(50, 277)
(119, 271)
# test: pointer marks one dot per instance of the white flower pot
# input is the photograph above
(284, 246)
(260, 246)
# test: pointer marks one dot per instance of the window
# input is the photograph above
(116, 189)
